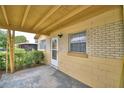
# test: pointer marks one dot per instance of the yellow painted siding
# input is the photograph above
(47, 50)
(93, 71)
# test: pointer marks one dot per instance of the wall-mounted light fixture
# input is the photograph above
(60, 35)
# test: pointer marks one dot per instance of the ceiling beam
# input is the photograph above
(50, 12)
(16, 28)
(25, 15)
(5, 14)
(71, 14)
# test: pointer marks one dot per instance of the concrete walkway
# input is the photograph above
(39, 77)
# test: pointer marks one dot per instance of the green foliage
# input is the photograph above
(2, 53)
(19, 50)
(23, 58)
(28, 59)
(20, 39)
(2, 61)
(19, 61)
(3, 39)
(38, 56)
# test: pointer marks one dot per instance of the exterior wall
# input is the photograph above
(103, 67)
(106, 40)
(47, 51)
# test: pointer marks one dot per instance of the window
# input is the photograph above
(42, 44)
(77, 42)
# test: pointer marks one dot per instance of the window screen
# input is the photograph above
(77, 42)
(42, 44)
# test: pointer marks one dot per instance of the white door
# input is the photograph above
(54, 52)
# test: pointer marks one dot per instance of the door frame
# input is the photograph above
(55, 66)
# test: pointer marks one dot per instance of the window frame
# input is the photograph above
(75, 53)
(40, 44)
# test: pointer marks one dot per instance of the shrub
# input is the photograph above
(28, 58)
(2, 61)
(23, 58)
(38, 57)
(19, 60)
(20, 50)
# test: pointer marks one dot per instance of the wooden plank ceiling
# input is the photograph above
(44, 19)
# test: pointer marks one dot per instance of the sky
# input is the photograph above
(29, 36)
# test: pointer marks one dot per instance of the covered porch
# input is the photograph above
(41, 20)
(54, 21)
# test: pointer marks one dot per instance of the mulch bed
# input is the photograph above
(1, 72)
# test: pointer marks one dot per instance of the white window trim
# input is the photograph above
(69, 47)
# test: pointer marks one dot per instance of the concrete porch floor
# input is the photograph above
(39, 77)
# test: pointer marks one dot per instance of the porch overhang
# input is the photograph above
(45, 19)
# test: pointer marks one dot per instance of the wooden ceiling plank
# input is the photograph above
(16, 28)
(50, 12)
(71, 14)
(25, 15)
(5, 14)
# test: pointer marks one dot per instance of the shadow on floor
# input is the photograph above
(67, 81)
(39, 77)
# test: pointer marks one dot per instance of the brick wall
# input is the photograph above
(106, 41)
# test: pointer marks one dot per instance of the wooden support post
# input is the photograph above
(123, 55)
(7, 46)
(122, 81)
(11, 43)
(11, 48)
(11, 70)
(122, 74)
